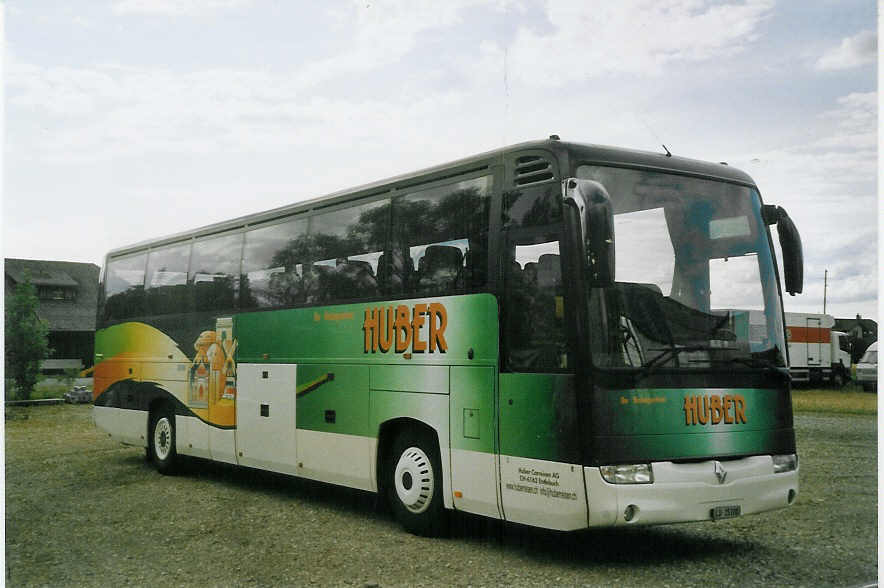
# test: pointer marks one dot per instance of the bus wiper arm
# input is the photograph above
(668, 352)
(756, 362)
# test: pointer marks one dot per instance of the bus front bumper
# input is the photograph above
(685, 492)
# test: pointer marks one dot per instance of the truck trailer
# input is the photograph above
(817, 352)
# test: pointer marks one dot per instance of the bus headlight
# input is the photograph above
(638, 473)
(785, 463)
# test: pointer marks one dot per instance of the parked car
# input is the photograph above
(78, 394)
(867, 369)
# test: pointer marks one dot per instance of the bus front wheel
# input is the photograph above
(414, 484)
(161, 440)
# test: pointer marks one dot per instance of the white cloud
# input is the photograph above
(839, 152)
(856, 120)
(856, 112)
(99, 113)
(828, 184)
(173, 7)
(634, 36)
(860, 49)
(379, 33)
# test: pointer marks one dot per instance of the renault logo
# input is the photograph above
(720, 472)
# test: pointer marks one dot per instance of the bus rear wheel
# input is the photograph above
(161, 440)
(414, 484)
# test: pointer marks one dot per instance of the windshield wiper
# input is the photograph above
(668, 352)
(755, 362)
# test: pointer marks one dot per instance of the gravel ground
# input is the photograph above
(82, 510)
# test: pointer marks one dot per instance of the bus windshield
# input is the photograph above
(696, 285)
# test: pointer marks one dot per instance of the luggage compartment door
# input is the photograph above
(265, 416)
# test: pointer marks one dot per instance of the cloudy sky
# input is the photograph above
(131, 119)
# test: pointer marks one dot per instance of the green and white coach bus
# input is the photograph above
(456, 338)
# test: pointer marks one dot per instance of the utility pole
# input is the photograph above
(825, 286)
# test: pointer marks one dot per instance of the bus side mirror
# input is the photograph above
(596, 215)
(793, 255)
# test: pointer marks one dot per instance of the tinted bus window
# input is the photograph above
(533, 207)
(167, 279)
(273, 265)
(214, 272)
(441, 239)
(347, 246)
(124, 287)
(535, 328)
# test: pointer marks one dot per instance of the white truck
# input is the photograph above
(817, 352)
(867, 369)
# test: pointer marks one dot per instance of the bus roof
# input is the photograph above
(578, 152)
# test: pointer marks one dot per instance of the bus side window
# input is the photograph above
(214, 272)
(347, 245)
(124, 288)
(273, 262)
(167, 279)
(535, 338)
(533, 206)
(440, 239)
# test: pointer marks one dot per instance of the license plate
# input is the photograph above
(729, 511)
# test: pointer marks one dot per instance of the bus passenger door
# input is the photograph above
(472, 428)
(541, 479)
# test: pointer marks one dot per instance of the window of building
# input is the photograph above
(56, 293)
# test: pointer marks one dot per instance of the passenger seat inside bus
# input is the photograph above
(286, 288)
(347, 280)
(354, 278)
(394, 272)
(440, 270)
(640, 304)
(536, 333)
(549, 271)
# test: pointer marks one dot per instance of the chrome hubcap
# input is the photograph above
(414, 480)
(162, 438)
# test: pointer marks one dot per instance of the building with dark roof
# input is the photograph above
(68, 293)
(861, 332)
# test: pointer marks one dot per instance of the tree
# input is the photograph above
(27, 338)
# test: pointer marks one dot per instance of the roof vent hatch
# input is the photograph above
(532, 169)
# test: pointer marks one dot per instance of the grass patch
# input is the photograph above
(51, 389)
(849, 400)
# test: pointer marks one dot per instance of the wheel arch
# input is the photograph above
(158, 401)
